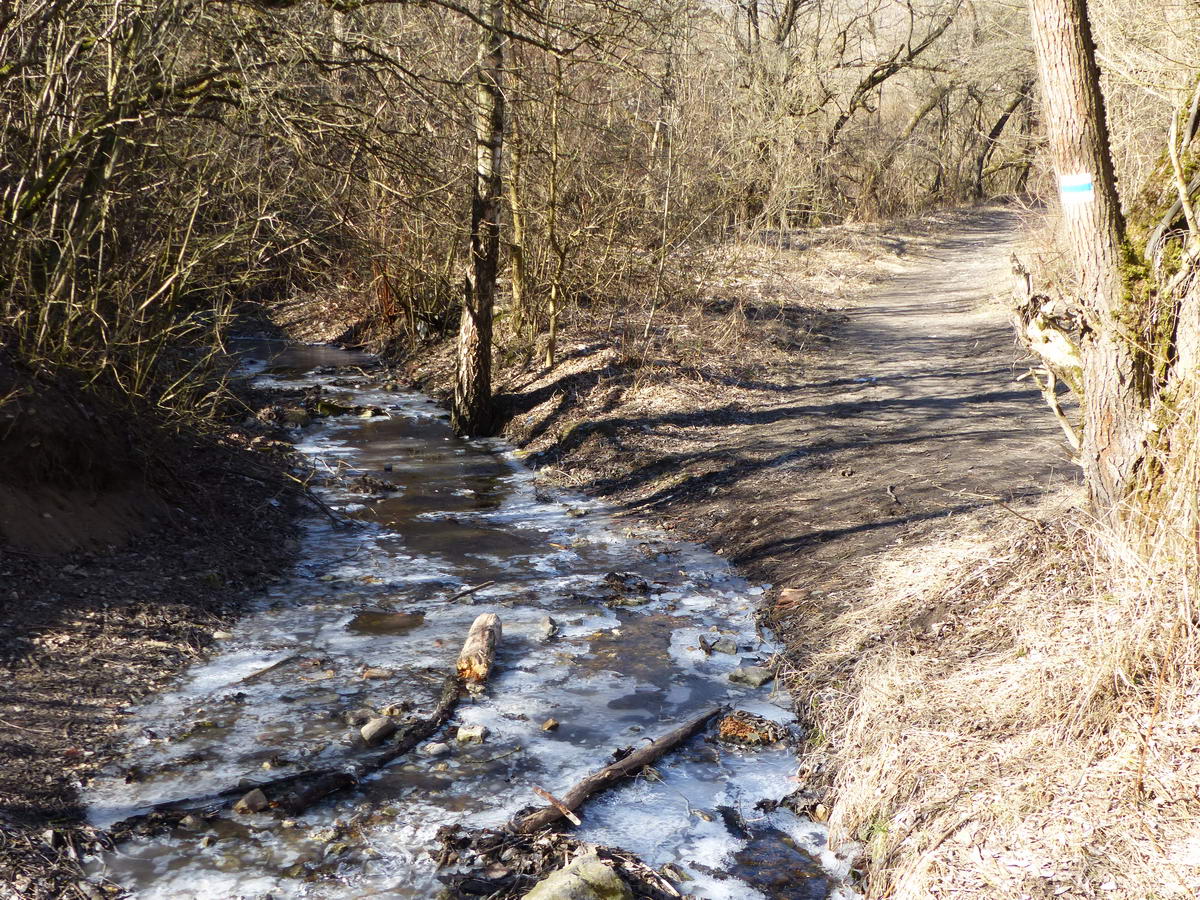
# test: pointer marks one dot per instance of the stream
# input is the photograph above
(364, 621)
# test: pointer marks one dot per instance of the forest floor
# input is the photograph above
(126, 547)
(861, 405)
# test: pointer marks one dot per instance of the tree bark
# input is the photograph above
(471, 411)
(479, 650)
(1116, 389)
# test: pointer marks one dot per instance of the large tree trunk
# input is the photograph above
(1116, 385)
(471, 413)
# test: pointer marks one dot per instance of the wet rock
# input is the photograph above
(546, 629)
(378, 730)
(775, 865)
(471, 734)
(222, 635)
(434, 749)
(373, 672)
(749, 730)
(724, 645)
(254, 802)
(755, 676)
(192, 822)
(550, 725)
(587, 878)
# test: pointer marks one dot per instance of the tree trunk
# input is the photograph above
(993, 136)
(1116, 389)
(471, 412)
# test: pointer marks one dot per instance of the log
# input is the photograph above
(479, 651)
(292, 794)
(605, 778)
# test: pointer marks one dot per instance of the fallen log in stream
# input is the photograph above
(566, 806)
(292, 794)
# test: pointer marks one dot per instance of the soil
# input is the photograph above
(126, 547)
(823, 436)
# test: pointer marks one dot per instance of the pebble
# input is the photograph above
(378, 730)
(222, 635)
(434, 749)
(755, 676)
(724, 645)
(253, 802)
(471, 734)
(550, 725)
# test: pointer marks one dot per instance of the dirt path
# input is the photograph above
(910, 415)
(913, 416)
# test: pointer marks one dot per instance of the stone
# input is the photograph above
(550, 725)
(471, 734)
(724, 645)
(222, 635)
(378, 730)
(546, 629)
(748, 730)
(434, 749)
(376, 672)
(587, 878)
(755, 676)
(254, 802)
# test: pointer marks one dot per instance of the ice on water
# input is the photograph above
(465, 513)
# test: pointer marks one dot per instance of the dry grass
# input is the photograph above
(1016, 719)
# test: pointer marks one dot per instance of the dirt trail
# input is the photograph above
(912, 416)
(799, 474)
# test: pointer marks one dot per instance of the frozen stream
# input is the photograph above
(364, 622)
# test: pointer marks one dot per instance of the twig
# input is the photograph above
(559, 805)
(469, 591)
(26, 728)
(254, 676)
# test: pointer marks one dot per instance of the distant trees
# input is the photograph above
(161, 160)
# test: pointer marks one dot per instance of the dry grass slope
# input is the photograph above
(1017, 719)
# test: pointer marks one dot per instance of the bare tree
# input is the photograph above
(471, 412)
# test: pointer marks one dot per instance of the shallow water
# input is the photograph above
(364, 621)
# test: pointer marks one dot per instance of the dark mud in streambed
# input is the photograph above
(365, 622)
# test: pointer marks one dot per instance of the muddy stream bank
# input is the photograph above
(602, 631)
